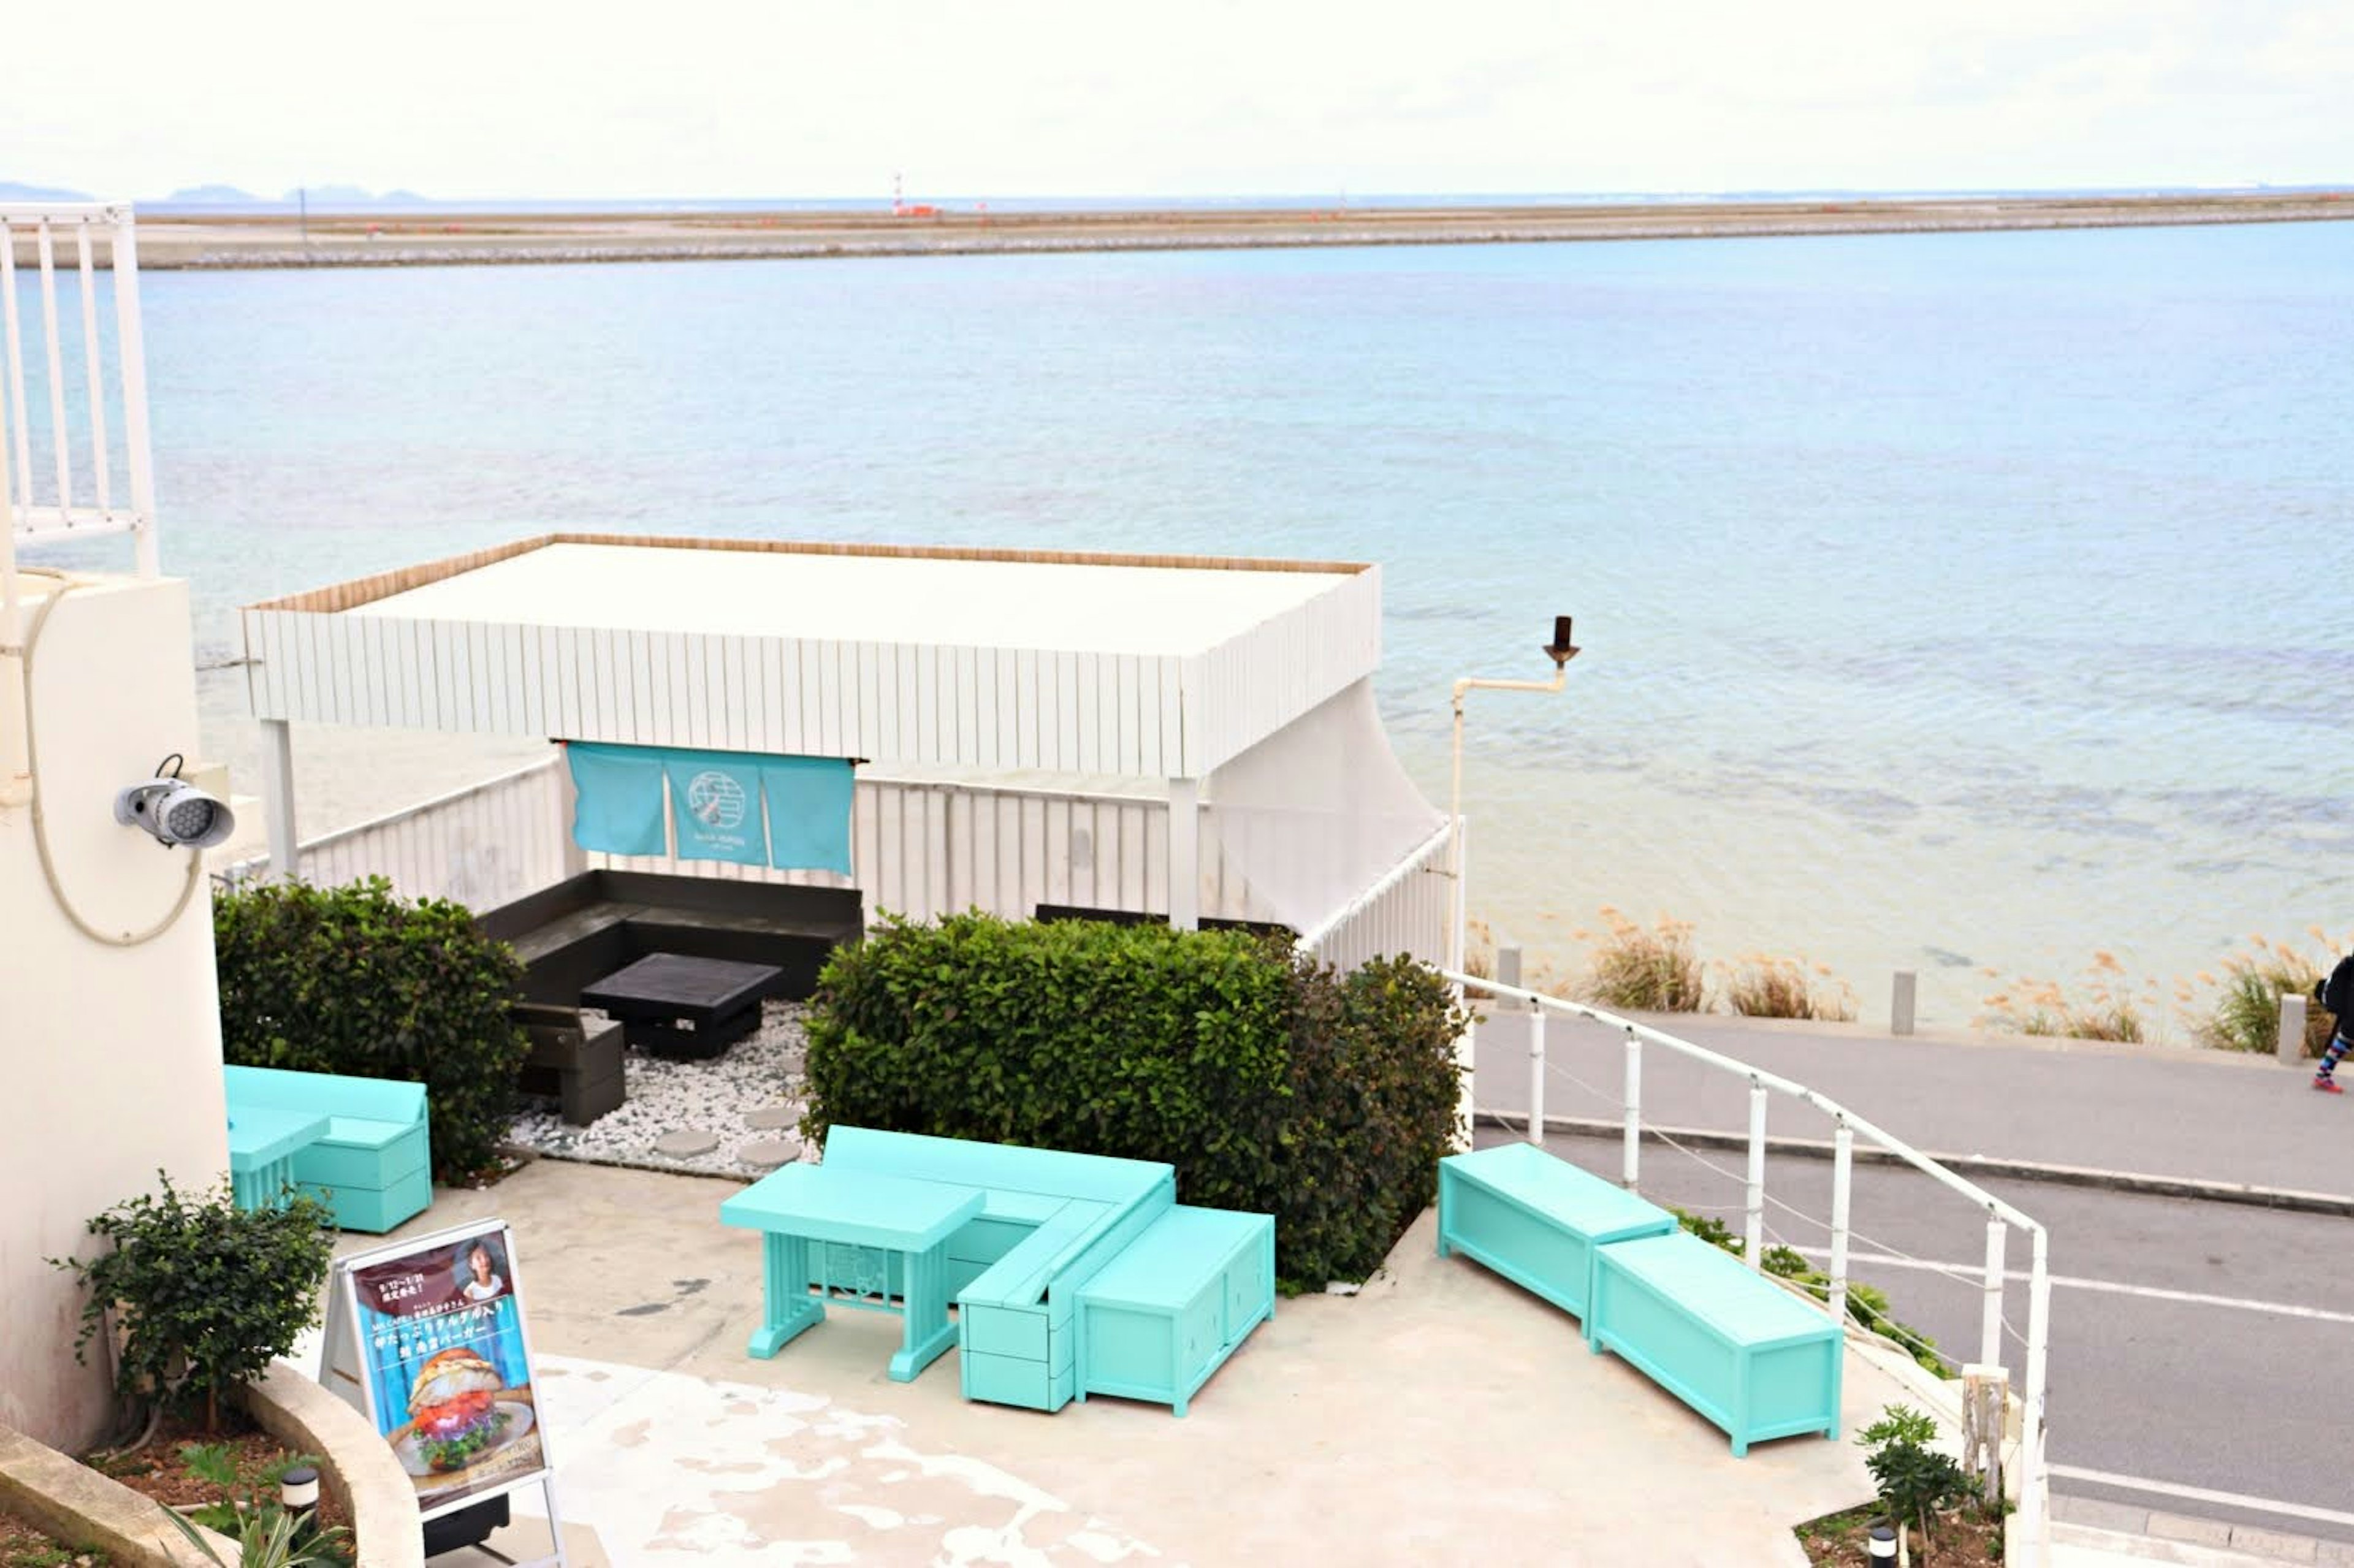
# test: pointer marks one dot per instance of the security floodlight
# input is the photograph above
(176, 812)
(1560, 650)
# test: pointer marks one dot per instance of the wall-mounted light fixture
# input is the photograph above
(176, 812)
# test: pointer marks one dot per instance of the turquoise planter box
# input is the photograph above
(1159, 1320)
(1746, 1355)
(373, 1167)
(1538, 1220)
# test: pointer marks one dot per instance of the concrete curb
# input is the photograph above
(360, 1468)
(2339, 1205)
(82, 1509)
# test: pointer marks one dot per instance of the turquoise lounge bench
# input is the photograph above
(373, 1167)
(1737, 1348)
(1051, 1222)
(1538, 1220)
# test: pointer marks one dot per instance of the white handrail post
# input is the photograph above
(1990, 1322)
(1536, 1075)
(20, 421)
(1843, 1174)
(2033, 1499)
(1634, 1098)
(94, 369)
(1756, 1192)
(131, 353)
(47, 252)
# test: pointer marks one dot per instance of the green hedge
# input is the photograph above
(359, 981)
(1272, 1084)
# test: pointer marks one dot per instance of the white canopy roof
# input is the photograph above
(1132, 666)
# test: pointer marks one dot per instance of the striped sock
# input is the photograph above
(2338, 1046)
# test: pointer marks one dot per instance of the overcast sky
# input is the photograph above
(556, 99)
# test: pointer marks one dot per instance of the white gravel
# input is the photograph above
(762, 1072)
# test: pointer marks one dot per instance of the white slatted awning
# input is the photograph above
(1134, 666)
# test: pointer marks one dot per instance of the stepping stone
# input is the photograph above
(685, 1144)
(769, 1152)
(774, 1119)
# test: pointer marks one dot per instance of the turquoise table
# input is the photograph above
(805, 1205)
(262, 1143)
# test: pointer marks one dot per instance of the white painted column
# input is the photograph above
(1185, 853)
(1632, 1093)
(277, 798)
(1990, 1313)
(1536, 1076)
(1842, 1178)
(1756, 1193)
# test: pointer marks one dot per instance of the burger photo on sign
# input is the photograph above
(455, 1415)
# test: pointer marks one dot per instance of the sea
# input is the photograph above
(1966, 603)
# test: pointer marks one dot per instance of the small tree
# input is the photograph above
(207, 1293)
(1914, 1480)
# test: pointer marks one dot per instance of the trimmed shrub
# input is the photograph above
(359, 981)
(1272, 1084)
(206, 1293)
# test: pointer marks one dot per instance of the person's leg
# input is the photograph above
(2325, 1077)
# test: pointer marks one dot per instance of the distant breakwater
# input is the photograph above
(1148, 235)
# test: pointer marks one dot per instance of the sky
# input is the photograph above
(580, 100)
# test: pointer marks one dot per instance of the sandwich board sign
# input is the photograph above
(426, 1339)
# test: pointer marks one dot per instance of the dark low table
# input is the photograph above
(678, 1006)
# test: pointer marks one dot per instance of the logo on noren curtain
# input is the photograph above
(716, 800)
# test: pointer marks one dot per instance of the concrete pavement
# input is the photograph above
(1440, 1414)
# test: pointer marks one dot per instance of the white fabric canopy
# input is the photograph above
(1318, 812)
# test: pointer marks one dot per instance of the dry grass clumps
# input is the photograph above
(2245, 1015)
(1764, 986)
(1645, 968)
(2107, 1009)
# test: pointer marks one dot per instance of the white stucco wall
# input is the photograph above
(110, 1056)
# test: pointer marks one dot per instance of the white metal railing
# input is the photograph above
(2033, 1479)
(80, 479)
(1406, 911)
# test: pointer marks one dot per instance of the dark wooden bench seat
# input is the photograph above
(577, 932)
(578, 1059)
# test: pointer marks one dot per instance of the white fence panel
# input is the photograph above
(74, 452)
(482, 846)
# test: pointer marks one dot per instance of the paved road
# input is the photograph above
(2211, 1115)
(2193, 1343)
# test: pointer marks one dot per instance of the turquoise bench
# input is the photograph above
(1158, 1319)
(373, 1166)
(1746, 1355)
(1538, 1220)
(1080, 1274)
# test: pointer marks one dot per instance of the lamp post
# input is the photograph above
(1560, 650)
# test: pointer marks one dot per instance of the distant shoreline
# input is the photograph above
(184, 241)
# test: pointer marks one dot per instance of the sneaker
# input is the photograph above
(2328, 1086)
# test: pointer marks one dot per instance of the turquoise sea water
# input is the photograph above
(1950, 600)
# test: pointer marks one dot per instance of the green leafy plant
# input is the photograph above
(248, 1512)
(1914, 1480)
(205, 1294)
(1645, 971)
(271, 1538)
(1272, 1084)
(359, 981)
